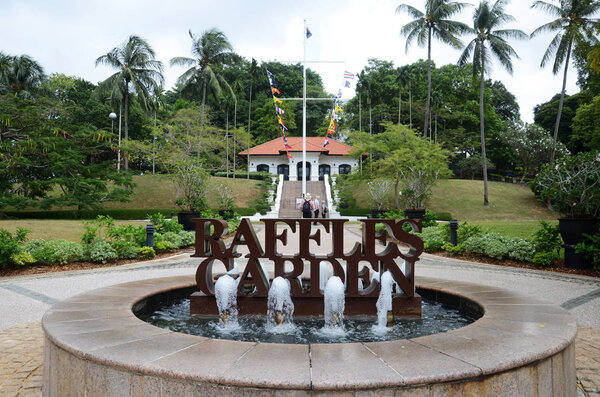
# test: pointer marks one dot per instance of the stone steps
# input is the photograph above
(292, 190)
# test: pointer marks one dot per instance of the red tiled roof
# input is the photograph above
(313, 144)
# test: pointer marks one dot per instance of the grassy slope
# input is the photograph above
(513, 208)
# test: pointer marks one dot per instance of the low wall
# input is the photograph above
(96, 346)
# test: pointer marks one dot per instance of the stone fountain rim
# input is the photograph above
(513, 332)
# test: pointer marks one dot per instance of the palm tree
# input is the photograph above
(433, 22)
(211, 50)
(573, 26)
(489, 40)
(20, 75)
(137, 71)
(405, 78)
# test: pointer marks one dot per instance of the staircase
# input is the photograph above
(292, 190)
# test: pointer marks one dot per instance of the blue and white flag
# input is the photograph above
(348, 75)
(308, 33)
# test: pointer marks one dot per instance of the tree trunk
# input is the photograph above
(482, 129)
(399, 105)
(249, 116)
(410, 104)
(396, 195)
(202, 113)
(233, 140)
(227, 141)
(428, 82)
(125, 155)
(560, 105)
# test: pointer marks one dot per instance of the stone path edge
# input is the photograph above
(546, 330)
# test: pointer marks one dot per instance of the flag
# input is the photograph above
(348, 75)
(289, 155)
(308, 33)
(277, 100)
(332, 125)
(285, 142)
(280, 120)
(347, 84)
(279, 110)
(338, 109)
(275, 90)
(326, 142)
(271, 77)
(283, 127)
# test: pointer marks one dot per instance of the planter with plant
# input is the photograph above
(192, 185)
(226, 197)
(378, 190)
(572, 187)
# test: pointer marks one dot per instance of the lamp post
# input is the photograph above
(112, 116)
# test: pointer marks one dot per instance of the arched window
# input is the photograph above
(345, 169)
(262, 168)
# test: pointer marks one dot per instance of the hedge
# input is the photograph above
(259, 176)
(355, 211)
(121, 214)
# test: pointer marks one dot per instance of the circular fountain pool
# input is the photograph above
(173, 314)
(95, 345)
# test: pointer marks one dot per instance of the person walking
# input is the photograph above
(317, 207)
(307, 207)
(324, 209)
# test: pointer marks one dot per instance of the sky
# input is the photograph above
(66, 36)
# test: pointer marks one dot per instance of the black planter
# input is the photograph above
(185, 219)
(414, 214)
(571, 231)
(377, 213)
(226, 214)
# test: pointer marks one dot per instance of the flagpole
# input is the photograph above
(304, 115)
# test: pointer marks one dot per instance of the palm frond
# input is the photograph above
(548, 8)
(410, 10)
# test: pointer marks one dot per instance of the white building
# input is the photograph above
(331, 159)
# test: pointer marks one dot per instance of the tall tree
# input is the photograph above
(211, 50)
(137, 71)
(254, 73)
(434, 22)
(20, 75)
(573, 26)
(489, 40)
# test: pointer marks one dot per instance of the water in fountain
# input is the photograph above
(280, 309)
(323, 275)
(226, 297)
(334, 304)
(384, 302)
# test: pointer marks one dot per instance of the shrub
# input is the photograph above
(547, 239)
(589, 249)
(146, 252)
(173, 238)
(129, 233)
(101, 251)
(544, 259)
(490, 244)
(164, 225)
(187, 238)
(443, 216)
(452, 249)
(125, 249)
(54, 251)
(11, 245)
(163, 246)
(520, 249)
(434, 245)
(429, 219)
(22, 259)
(463, 233)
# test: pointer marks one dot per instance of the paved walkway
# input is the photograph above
(23, 301)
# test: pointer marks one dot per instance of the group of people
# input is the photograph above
(308, 206)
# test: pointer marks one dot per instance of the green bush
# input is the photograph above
(354, 211)
(173, 238)
(187, 238)
(23, 259)
(54, 251)
(146, 252)
(547, 239)
(163, 246)
(164, 225)
(245, 211)
(125, 249)
(463, 233)
(101, 251)
(121, 214)
(544, 259)
(520, 249)
(452, 249)
(434, 245)
(11, 245)
(490, 244)
(429, 219)
(589, 249)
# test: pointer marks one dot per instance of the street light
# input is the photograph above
(112, 116)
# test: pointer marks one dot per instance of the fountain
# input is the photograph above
(516, 345)
(334, 303)
(280, 309)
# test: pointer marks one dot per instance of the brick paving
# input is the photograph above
(21, 359)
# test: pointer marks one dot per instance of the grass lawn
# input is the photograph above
(507, 202)
(50, 229)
